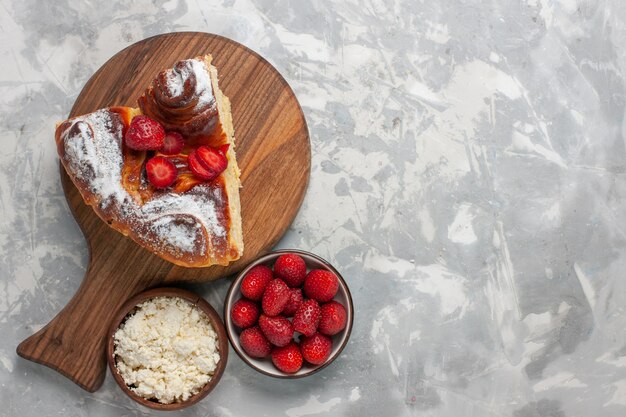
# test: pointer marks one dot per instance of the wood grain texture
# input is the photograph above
(273, 153)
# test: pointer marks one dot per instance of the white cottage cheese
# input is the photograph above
(166, 350)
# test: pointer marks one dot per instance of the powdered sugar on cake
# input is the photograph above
(178, 223)
(175, 82)
(93, 146)
(167, 215)
(204, 91)
(177, 233)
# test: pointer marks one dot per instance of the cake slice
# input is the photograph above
(194, 222)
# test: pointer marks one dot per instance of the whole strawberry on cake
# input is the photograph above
(164, 174)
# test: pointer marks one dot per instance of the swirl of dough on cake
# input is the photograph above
(182, 99)
(90, 147)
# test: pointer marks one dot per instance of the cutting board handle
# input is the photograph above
(74, 342)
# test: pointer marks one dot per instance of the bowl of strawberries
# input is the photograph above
(288, 314)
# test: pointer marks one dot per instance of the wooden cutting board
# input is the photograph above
(274, 155)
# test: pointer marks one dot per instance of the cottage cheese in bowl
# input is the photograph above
(166, 350)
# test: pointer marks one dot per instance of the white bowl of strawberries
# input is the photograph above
(288, 314)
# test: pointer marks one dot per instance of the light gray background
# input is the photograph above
(468, 178)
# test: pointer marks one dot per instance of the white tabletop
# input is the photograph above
(468, 180)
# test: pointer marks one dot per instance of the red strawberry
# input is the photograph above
(161, 172)
(144, 134)
(254, 342)
(291, 269)
(307, 318)
(275, 297)
(173, 143)
(224, 148)
(295, 300)
(207, 163)
(316, 348)
(321, 285)
(244, 313)
(333, 318)
(287, 358)
(255, 281)
(197, 167)
(278, 330)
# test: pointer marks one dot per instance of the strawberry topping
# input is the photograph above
(161, 172)
(173, 143)
(207, 163)
(144, 134)
(224, 148)
(197, 167)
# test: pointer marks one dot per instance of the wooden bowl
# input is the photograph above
(216, 322)
(265, 365)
